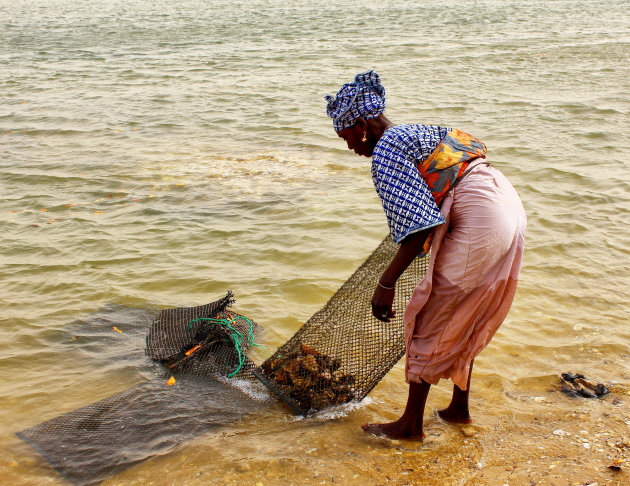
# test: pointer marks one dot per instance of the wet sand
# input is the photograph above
(531, 434)
(549, 439)
(546, 438)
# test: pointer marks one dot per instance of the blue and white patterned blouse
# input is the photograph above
(407, 200)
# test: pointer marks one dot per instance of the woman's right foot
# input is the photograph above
(394, 430)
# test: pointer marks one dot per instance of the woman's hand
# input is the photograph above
(383, 297)
(382, 302)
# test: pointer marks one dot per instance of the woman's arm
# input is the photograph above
(383, 298)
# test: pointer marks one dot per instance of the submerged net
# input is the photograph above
(89, 444)
(338, 356)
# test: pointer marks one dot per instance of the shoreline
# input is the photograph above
(543, 437)
(529, 434)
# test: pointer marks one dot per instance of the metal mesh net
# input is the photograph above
(339, 355)
(89, 444)
(342, 352)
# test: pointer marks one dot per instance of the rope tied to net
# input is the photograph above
(234, 335)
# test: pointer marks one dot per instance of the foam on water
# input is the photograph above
(338, 411)
(252, 389)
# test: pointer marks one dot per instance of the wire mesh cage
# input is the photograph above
(338, 356)
(89, 444)
(342, 351)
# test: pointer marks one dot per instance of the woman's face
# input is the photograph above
(354, 138)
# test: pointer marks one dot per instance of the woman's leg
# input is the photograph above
(457, 411)
(409, 426)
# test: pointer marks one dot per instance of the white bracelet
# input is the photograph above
(386, 288)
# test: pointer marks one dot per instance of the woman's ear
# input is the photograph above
(361, 125)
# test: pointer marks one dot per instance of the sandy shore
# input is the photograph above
(524, 433)
(544, 438)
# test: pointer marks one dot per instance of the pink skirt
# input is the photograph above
(471, 281)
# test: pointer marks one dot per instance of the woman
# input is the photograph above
(438, 193)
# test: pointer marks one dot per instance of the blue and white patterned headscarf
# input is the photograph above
(365, 98)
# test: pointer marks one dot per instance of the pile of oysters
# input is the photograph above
(310, 378)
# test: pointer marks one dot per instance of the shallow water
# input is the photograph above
(158, 154)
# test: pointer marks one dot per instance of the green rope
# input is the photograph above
(235, 336)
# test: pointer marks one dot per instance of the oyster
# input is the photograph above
(310, 378)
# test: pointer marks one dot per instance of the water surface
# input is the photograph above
(160, 153)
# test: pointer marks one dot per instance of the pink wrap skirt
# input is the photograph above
(471, 281)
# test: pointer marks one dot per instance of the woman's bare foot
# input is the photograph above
(409, 425)
(455, 416)
(394, 430)
(457, 411)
